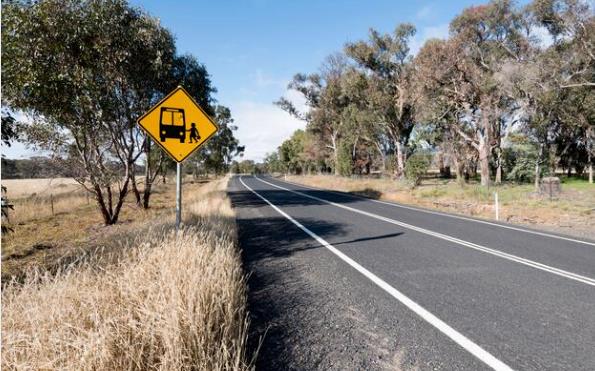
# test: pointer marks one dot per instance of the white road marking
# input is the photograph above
(544, 234)
(517, 259)
(453, 334)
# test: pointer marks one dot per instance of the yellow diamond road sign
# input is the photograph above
(178, 124)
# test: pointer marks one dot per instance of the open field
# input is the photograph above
(572, 213)
(19, 188)
(45, 235)
(130, 296)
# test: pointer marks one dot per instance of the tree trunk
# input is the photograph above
(444, 169)
(135, 190)
(538, 168)
(498, 179)
(108, 213)
(105, 214)
(382, 156)
(590, 159)
(121, 197)
(400, 157)
(484, 162)
(458, 170)
(335, 148)
(148, 177)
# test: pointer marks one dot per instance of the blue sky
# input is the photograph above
(253, 48)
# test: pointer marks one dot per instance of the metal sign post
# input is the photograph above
(178, 195)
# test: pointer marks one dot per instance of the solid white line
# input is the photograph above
(544, 234)
(453, 334)
(518, 259)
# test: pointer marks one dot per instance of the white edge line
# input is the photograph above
(504, 255)
(453, 334)
(544, 234)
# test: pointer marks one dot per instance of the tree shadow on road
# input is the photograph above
(276, 255)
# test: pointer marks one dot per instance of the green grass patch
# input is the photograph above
(433, 193)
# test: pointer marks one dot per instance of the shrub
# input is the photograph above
(416, 167)
(345, 162)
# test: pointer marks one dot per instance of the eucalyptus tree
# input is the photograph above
(325, 100)
(291, 153)
(85, 70)
(272, 163)
(444, 90)
(570, 63)
(486, 37)
(386, 59)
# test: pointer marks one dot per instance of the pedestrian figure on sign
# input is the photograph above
(194, 135)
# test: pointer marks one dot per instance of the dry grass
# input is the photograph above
(19, 188)
(40, 237)
(150, 300)
(571, 213)
(40, 207)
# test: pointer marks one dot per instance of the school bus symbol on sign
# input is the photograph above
(178, 124)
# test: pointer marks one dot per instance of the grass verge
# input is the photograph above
(571, 213)
(150, 300)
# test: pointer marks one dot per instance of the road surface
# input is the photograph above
(342, 282)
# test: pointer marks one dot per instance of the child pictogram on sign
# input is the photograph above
(194, 135)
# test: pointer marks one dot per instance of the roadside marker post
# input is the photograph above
(497, 206)
(180, 127)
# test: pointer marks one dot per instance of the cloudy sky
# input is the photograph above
(252, 48)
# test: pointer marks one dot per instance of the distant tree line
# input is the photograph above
(83, 72)
(34, 167)
(508, 95)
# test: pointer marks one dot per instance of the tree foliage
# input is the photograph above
(84, 71)
(468, 97)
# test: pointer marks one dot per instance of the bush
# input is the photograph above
(416, 167)
(519, 163)
(345, 162)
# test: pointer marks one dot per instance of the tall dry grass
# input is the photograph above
(39, 207)
(18, 188)
(163, 302)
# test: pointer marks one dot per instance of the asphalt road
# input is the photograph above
(342, 282)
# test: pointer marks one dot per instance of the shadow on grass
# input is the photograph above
(368, 192)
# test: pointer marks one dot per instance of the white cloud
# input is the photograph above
(263, 126)
(424, 12)
(297, 99)
(18, 150)
(431, 32)
(263, 80)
